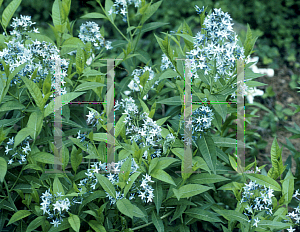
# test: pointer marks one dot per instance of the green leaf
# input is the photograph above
(171, 101)
(203, 215)
(39, 37)
(3, 168)
(58, 16)
(186, 37)
(108, 5)
(208, 150)
(206, 178)
(35, 92)
(57, 186)
(94, 15)
(76, 158)
(130, 183)
(163, 176)
(18, 216)
(22, 134)
(65, 156)
(106, 185)
(36, 223)
(274, 225)
(150, 11)
(265, 180)
(220, 108)
(80, 60)
(9, 12)
(74, 222)
(169, 73)
(119, 126)
(35, 124)
(137, 212)
(66, 98)
(164, 162)
(190, 190)
(233, 215)
(125, 207)
(46, 158)
(88, 85)
(152, 26)
(158, 196)
(288, 187)
(11, 105)
(158, 223)
(96, 226)
(179, 211)
(276, 159)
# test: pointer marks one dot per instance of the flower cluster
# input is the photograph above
(200, 121)
(90, 32)
(54, 207)
(22, 25)
(134, 85)
(149, 133)
(215, 47)
(166, 63)
(258, 198)
(36, 55)
(295, 215)
(121, 6)
(19, 153)
(93, 117)
(89, 184)
(80, 136)
(170, 139)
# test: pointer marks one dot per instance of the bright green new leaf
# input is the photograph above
(74, 222)
(9, 11)
(18, 216)
(76, 158)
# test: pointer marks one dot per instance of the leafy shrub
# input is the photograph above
(148, 187)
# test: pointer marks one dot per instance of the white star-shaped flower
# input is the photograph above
(291, 229)
(255, 222)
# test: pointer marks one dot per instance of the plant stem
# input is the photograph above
(162, 217)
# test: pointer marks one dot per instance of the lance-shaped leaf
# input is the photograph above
(106, 185)
(35, 92)
(9, 12)
(208, 150)
(190, 190)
